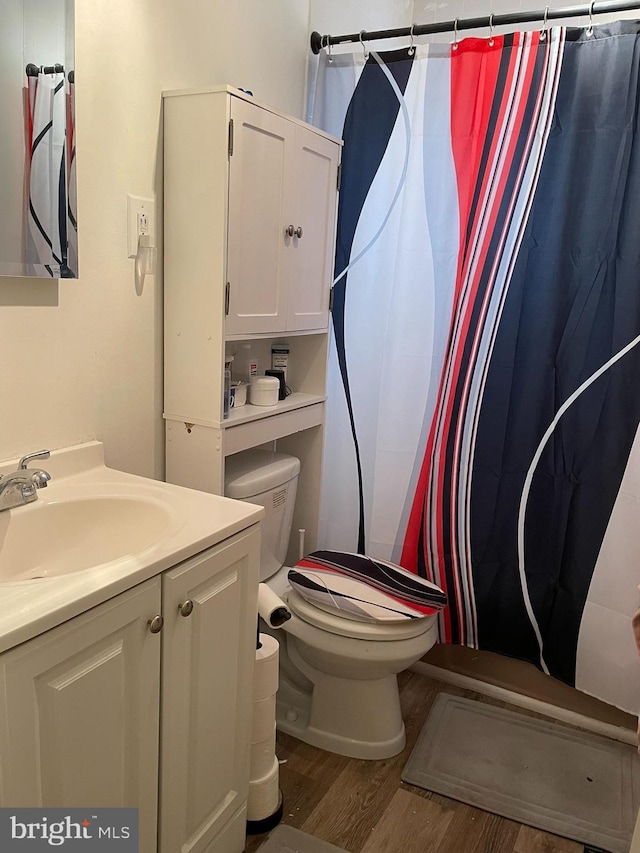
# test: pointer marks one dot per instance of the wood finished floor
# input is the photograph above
(364, 807)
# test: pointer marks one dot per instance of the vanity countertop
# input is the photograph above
(191, 522)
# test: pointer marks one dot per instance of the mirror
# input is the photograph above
(38, 224)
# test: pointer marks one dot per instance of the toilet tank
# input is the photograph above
(270, 480)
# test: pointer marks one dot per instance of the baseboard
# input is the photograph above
(572, 718)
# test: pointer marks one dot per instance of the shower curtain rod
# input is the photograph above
(33, 70)
(600, 8)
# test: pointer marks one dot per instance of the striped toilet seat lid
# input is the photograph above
(364, 589)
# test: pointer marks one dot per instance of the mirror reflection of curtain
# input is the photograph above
(46, 239)
(483, 405)
(72, 201)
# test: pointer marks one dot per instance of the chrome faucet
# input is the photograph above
(20, 487)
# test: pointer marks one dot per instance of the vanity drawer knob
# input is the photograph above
(186, 608)
(155, 624)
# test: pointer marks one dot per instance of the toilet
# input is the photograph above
(338, 664)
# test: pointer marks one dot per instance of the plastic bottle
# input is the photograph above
(246, 363)
(228, 361)
(280, 358)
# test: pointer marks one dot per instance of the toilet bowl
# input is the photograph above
(338, 673)
(348, 700)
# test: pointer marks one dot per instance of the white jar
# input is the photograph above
(263, 391)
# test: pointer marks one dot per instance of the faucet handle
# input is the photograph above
(24, 462)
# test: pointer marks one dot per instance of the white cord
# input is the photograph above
(529, 478)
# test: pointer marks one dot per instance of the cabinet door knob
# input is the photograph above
(155, 624)
(186, 608)
(298, 232)
(290, 231)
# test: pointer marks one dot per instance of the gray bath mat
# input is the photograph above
(286, 839)
(540, 773)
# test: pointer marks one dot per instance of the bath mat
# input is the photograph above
(287, 839)
(541, 773)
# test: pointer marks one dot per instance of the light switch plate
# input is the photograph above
(141, 219)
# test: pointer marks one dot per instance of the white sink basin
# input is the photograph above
(94, 533)
(49, 539)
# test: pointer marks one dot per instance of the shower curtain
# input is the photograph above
(48, 213)
(484, 392)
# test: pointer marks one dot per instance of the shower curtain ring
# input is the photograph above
(491, 30)
(412, 48)
(328, 45)
(454, 46)
(543, 31)
(364, 49)
(590, 27)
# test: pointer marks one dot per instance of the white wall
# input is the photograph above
(337, 17)
(81, 359)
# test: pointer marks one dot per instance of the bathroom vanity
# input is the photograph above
(127, 640)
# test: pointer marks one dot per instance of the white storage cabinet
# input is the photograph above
(249, 238)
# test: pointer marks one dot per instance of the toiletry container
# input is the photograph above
(240, 397)
(246, 363)
(228, 362)
(263, 391)
(280, 358)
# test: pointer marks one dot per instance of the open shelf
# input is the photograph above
(250, 426)
(247, 413)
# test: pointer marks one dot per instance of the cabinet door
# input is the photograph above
(261, 145)
(207, 693)
(311, 194)
(81, 703)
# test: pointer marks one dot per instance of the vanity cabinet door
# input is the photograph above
(209, 607)
(80, 721)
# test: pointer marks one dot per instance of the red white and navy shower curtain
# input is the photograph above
(484, 393)
(51, 229)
